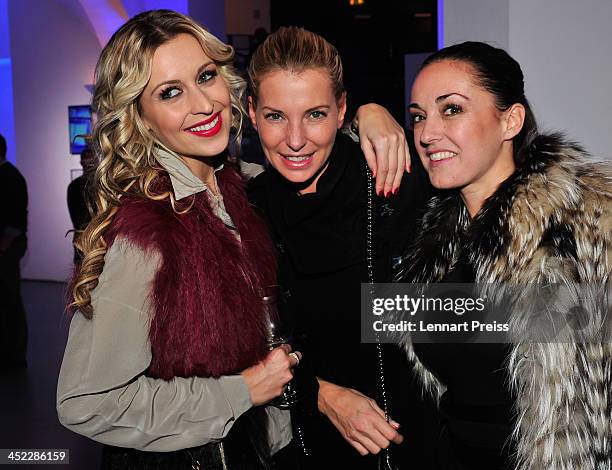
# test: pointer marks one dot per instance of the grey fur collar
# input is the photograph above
(549, 222)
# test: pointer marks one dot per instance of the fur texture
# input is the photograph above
(207, 318)
(551, 222)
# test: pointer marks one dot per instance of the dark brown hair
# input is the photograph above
(500, 75)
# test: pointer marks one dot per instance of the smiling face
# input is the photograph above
(186, 102)
(297, 117)
(463, 140)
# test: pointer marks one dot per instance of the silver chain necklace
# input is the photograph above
(384, 458)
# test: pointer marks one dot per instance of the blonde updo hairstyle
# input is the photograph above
(122, 142)
(296, 50)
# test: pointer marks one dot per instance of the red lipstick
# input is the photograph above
(207, 128)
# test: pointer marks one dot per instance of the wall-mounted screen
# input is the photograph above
(79, 125)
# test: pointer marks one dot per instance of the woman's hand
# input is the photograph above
(384, 144)
(267, 379)
(358, 418)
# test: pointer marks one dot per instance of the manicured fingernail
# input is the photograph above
(395, 424)
(395, 191)
(387, 194)
(378, 192)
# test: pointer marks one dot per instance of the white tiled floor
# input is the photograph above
(27, 399)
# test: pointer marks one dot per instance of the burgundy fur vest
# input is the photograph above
(207, 309)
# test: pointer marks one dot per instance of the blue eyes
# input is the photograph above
(174, 91)
(170, 92)
(207, 75)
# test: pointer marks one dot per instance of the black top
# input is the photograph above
(77, 206)
(13, 199)
(321, 238)
(476, 409)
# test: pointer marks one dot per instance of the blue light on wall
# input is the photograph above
(133, 7)
(7, 120)
(440, 24)
(106, 17)
(177, 5)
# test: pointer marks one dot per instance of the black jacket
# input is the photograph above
(13, 199)
(321, 239)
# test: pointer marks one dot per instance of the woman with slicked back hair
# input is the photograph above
(166, 362)
(334, 233)
(527, 218)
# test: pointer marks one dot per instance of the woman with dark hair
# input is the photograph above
(518, 209)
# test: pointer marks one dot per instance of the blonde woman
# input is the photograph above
(335, 234)
(166, 361)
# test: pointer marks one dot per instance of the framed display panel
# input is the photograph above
(79, 126)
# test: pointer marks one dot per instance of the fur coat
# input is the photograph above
(550, 222)
(206, 296)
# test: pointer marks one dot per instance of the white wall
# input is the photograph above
(565, 50)
(563, 47)
(53, 56)
(477, 20)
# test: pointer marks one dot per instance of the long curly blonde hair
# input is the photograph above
(121, 140)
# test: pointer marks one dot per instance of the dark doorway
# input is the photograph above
(372, 37)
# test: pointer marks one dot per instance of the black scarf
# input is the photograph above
(322, 231)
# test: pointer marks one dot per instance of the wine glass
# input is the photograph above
(289, 400)
(277, 335)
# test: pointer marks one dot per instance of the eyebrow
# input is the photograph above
(438, 99)
(176, 82)
(443, 97)
(314, 108)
